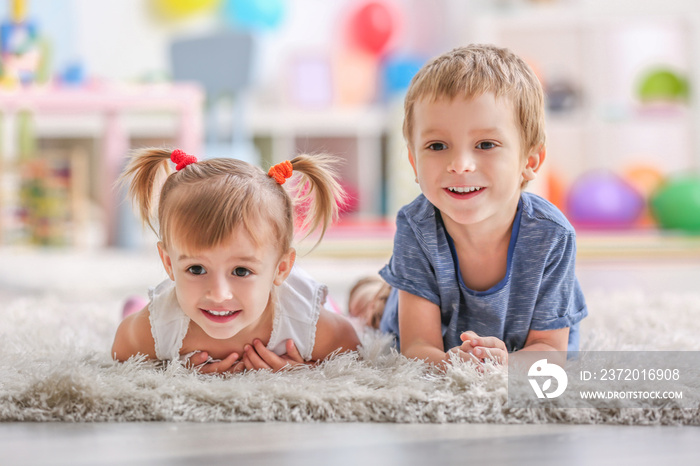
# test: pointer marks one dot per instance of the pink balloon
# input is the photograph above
(372, 26)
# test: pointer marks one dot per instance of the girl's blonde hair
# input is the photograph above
(474, 70)
(204, 202)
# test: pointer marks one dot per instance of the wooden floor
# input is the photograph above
(344, 444)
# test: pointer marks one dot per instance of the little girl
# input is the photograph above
(234, 297)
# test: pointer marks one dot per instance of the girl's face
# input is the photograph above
(226, 289)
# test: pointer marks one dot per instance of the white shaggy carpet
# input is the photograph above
(55, 366)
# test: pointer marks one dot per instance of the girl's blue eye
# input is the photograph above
(196, 270)
(437, 146)
(486, 145)
(241, 272)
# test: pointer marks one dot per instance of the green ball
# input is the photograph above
(663, 84)
(676, 204)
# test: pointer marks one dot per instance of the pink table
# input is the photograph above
(111, 102)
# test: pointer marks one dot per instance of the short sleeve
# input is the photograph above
(410, 268)
(169, 323)
(560, 302)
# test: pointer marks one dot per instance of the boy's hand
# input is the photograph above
(484, 347)
(257, 356)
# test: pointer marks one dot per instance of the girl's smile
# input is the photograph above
(220, 316)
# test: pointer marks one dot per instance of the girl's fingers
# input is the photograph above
(292, 352)
(255, 359)
(198, 358)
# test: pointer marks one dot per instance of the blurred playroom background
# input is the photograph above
(84, 81)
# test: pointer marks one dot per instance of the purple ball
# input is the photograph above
(601, 199)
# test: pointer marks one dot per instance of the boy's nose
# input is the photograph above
(462, 161)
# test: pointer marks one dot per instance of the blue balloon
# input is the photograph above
(254, 14)
(398, 73)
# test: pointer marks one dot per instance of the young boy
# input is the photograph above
(480, 268)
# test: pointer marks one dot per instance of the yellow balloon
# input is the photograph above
(184, 8)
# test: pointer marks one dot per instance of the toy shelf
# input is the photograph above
(354, 134)
(112, 116)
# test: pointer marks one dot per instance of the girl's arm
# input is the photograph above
(333, 332)
(134, 337)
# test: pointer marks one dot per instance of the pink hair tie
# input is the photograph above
(181, 159)
(281, 171)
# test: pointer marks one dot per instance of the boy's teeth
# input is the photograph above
(466, 189)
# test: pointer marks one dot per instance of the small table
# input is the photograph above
(111, 102)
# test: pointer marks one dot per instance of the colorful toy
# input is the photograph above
(646, 179)
(20, 49)
(372, 27)
(398, 73)
(663, 85)
(601, 199)
(676, 204)
(254, 14)
(355, 78)
(179, 9)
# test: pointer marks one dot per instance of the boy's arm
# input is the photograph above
(547, 340)
(134, 337)
(420, 329)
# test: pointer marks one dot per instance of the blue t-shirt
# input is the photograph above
(539, 291)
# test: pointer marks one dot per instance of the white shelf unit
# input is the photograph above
(602, 49)
(354, 134)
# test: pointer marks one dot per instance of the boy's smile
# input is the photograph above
(468, 158)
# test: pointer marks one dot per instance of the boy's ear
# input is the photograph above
(534, 162)
(412, 160)
(165, 259)
(284, 267)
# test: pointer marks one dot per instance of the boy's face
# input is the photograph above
(468, 158)
(226, 288)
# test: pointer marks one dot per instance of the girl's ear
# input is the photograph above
(533, 163)
(165, 259)
(284, 267)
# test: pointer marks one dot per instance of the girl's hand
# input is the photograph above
(199, 362)
(257, 356)
(483, 348)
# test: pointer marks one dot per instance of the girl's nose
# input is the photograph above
(219, 290)
(462, 161)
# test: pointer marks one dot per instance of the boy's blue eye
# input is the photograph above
(196, 270)
(485, 145)
(241, 272)
(437, 146)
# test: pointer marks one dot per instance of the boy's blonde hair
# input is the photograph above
(203, 203)
(474, 70)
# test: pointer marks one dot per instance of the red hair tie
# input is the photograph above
(281, 171)
(181, 159)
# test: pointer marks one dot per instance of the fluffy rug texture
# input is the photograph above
(55, 366)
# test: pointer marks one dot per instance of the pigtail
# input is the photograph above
(141, 174)
(318, 193)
